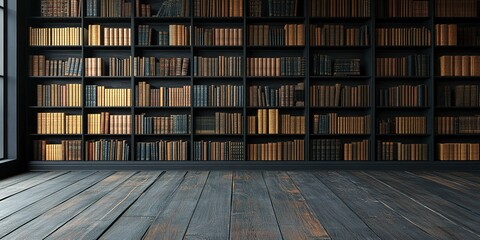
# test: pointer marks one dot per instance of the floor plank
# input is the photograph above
(94, 221)
(142, 213)
(33, 194)
(465, 183)
(26, 214)
(28, 183)
(294, 217)
(407, 184)
(252, 215)
(457, 197)
(211, 219)
(454, 185)
(18, 178)
(172, 222)
(471, 176)
(435, 224)
(48, 222)
(386, 223)
(338, 219)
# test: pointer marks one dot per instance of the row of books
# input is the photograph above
(142, 9)
(457, 124)
(403, 125)
(173, 124)
(284, 96)
(410, 66)
(458, 151)
(221, 66)
(218, 96)
(94, 67)
(339, 35)
(58, 123)
(176, 35)
(107, 150)
(460, 66)
(65, 150)
(404, 96)
(162, 150)
(455, 8)
(119, 67)
(106, 123)
(282, 8)
(332, 123)
(60, 8)
(214, 36)
(412, 36)
(173, 8)
(255, 8)
(402, 8)
(59, 95)
(101, 96)
(218, 8)
(275, 66)
(39, 65)
(220, 123)
(109, 36)
(339, 96)
(147, 96)
(335, 150)
(59, 36)
(267, 35)
(109, 8)
(462, 96)
(269, 121)
(446, 34)
(211, 150)
(150, 66)
(394, 151)
(324, 65)
(339, 8)
(281, 150)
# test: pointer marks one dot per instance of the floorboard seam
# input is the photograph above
(271, 204)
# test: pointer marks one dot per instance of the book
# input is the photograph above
(109, 8)
(455, 8)
(214, 36)
(404, 36)
(457, 125)
(403, 8)
(101, 96)
(221, 66)
(106, 123)
(216, 8)
(60, 8)
(459, 66)
(275, 66)
(40, 66)
(460, 96)
(151, 66)
(108, 36)
(269, 121)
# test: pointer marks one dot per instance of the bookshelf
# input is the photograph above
(334, 78)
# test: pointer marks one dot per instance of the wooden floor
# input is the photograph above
(240, 205)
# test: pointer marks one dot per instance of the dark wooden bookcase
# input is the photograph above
(29, 16)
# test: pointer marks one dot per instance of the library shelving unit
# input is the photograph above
(361, 83)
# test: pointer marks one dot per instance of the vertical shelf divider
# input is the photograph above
(192, 82)
(244, 72)
(431, 86)
(83, 12)
(306, 80)
(132, 84)
(373, 78)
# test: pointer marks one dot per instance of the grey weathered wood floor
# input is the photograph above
(240, 205)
